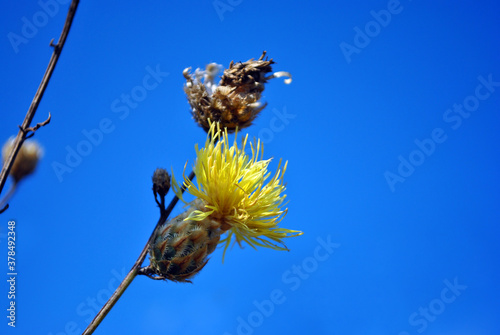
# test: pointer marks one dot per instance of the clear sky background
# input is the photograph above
(394, 184)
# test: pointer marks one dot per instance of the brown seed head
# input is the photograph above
(234, 101)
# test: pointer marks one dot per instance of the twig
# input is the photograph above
(35, 128)
(3, 203)
(25, 127)
(161, 204)
(135, 268)
(6, 207)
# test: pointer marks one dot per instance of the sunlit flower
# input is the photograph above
(26, 160)
(234, 194)
(238, 192)
(235, 100)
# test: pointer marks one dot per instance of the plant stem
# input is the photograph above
(134, 271)
(9, 194)
(111, 302)
(24, 128)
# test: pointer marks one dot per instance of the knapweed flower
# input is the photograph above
(26, 160)
(234, 194)
(233, 188)
(234, 101)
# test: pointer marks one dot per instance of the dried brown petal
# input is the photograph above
(234, 101)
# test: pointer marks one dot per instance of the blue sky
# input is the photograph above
(390, 129)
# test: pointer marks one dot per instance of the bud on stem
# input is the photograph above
(180, 248)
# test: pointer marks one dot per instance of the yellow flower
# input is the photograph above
(234, 191)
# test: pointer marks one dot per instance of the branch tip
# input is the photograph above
(4, 209)
(35, 128)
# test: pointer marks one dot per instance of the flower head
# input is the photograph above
(237, 191)
(26, 160)
(234, 102)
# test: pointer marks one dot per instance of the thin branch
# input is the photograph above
(135, 268)
(25, 127)
(3, 203)
(6, 207)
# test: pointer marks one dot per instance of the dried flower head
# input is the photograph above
(234, 101)
(235, 191)
(26, 160)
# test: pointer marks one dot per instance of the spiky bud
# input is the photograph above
(161, 182)
(180, 248)
(234, 102)
(26, 160)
